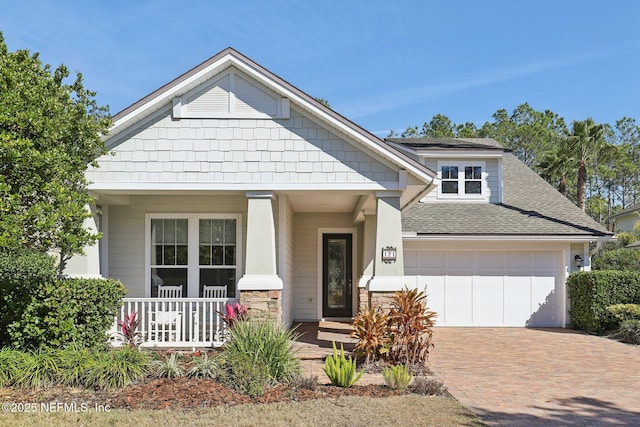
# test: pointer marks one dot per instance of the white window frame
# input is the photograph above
(461, 195)
(193, 264)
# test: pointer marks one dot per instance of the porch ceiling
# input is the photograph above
(332, 202)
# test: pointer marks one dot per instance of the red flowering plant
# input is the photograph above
(128, 327)
(234, 313)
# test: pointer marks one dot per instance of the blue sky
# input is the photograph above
(383, 64)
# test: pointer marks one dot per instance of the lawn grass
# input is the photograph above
(409, 410)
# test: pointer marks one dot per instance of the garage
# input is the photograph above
(491, 288)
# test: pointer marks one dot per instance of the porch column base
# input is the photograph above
(263, 304)
(387, 283)
(263, 282)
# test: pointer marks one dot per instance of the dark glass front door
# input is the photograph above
(336, 275)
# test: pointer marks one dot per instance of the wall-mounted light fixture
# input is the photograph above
(578, 260)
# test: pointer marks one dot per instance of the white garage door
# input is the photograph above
(490, 288)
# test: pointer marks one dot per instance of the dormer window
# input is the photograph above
(462, 180)
(473, 180)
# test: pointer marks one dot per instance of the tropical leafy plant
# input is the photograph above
(371, 329)
(128, 329)
(411, 327)
(397, 377)
(341, 370)
(203, 367)
(167, 368)
(234, 313)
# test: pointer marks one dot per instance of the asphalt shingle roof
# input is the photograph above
(625, 211)
(530, 207)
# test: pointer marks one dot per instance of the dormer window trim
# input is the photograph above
(458, 180)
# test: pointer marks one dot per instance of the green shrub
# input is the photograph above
(167, 368)
(20, 276)
(617, 259)
(68, 311)
(591, 292)
(265, 344)
(624, 312)
(11, 361)
(248, 375)
(428, 386)
(40, 369)
(397, 377)
(203, 367)
(116, 368)
(625, 238)
(340, 369)
(629, 331)
(73, 363)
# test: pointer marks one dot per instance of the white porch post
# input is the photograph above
(87, 264)
(388, 273)
(260, 287)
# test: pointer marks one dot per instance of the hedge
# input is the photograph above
(20, 276)
(40, 310)
(617, 259)
(591, 292)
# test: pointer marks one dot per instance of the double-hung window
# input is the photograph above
(193, 251)
(462, 180)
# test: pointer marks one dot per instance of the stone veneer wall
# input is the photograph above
(263, 304)
(368, 299)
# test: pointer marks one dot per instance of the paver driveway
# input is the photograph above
(519, 376)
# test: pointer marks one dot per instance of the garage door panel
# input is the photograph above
(519, 260)
(460, 260)
(491, 260)
(493, 288)
(458, 300)
(488, 294)
(517, 300)
(435, 295)
(546, 260)
(432, 260)
(544, 302)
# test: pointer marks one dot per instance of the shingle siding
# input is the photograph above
(231, 147)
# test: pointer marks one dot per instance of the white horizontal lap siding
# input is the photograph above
(127, 230)
(490, 288)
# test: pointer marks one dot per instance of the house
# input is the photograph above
(627, 219)
(229, 175)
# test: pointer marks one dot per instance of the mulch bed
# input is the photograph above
(186, 393)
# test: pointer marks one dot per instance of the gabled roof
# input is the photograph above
(531, 207)
(450, 143)
(229, 57)
(628, 210)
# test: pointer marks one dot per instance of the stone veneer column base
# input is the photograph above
(363, 299)
(381, 299)
(265, 304)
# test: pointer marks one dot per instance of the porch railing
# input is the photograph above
(175, 322)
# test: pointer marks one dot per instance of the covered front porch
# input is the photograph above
(174, 322)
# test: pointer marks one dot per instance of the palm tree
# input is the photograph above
(585, 144)
(556, 166)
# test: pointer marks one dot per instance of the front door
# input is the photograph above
(336, 275)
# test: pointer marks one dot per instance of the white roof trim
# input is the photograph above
(412, 236)
(233, 186)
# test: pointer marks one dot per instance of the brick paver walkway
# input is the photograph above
(519, 376)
